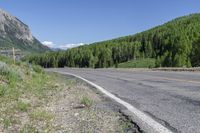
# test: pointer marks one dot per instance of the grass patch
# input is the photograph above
(7, 122)
(6, 60)
(86, 101)
(140, 63)
(126, 126)
(7, 73)
(41, 115)
(28, 129)
(21, 106)
(2, 90)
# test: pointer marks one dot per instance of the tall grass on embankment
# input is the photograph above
(23, 89)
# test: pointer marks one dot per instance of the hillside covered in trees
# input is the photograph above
(173, 44)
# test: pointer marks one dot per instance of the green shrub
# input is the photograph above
(37, 69)
(7, 73)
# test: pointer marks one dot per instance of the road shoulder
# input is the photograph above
(79, 108)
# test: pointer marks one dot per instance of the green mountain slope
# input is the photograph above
(14, 33)
(173, 44)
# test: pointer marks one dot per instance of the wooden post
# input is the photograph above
(13, 54)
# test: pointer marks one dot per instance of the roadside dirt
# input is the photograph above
(71, 115)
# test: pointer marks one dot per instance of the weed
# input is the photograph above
(86, 101)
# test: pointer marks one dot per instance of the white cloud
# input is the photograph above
(68, 46)
(48, 44)
(62, 46)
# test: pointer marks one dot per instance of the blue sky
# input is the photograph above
(68, 22)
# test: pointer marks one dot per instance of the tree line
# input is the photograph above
(174, 44)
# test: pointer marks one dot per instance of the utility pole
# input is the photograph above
(13, 54)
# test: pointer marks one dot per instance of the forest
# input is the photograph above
(173, 44)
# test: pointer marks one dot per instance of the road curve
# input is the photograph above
(170, 98)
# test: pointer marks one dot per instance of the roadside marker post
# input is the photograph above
(13, 54)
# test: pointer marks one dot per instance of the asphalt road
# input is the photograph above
(171, 98)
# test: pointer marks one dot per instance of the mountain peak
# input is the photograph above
(10, 24)
(14, 33)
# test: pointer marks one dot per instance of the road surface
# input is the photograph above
(171, 98)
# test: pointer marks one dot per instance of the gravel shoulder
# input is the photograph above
(72, 114)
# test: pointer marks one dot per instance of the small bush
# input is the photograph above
(8, 73)
(86, 101)
(37, 69)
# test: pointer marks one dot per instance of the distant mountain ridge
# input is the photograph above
(14, 33)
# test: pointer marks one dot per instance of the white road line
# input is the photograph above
(150, 124)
